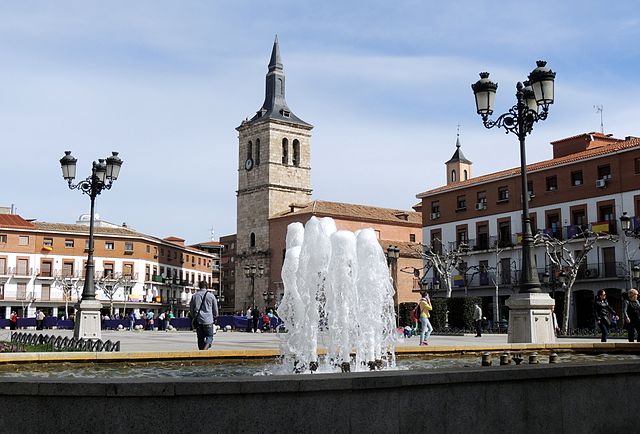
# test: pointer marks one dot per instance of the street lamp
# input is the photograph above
(635, 273)
(104, 173)
(268, 297)
(533, 100)
(393, 253)
(251, 271)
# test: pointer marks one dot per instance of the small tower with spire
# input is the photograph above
(458, 167)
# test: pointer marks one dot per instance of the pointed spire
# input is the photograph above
(458, 155)
(275, 62)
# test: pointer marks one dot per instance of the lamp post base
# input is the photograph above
(530, 319)
(88, 324)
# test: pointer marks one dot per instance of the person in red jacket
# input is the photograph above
(13, 320)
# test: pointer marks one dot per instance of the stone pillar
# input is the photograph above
(530, 318)
(87, 320)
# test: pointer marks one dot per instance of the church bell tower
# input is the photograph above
(274, 172)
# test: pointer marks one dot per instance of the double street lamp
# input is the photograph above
(104, 173)
(250, 272)
(533, 98)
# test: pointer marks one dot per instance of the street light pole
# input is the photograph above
(533, 98)
(104, 173)
(393, 253)
(251, 271)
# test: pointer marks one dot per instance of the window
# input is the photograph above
(21, 292)
(461, 203)
(553, 226)
(503, 194)
(505, 271)
(285, 151)
(108, 269)
(504, 234)
(147, 273)
(604, 172)
(3, 266)
(435, 209)
(45, 293)
(552, 183)
(461, 236)
(252, 240)
(127, 270)
(579, 218)
(47, 242)
(1, 291)
(466, 175)
(67, 269)
(3, 238)
(296, 153)
(481, 200)
(68, 243)
(412, 238)
(199, 261)
(108, 245)
(250, 150)
(148, 248)
(128, 247)
(45, 269)
(257, 159)
(23, 240)
(22, 267)
(482, 243)
(606, 214)
(576, 178)
(454, 177)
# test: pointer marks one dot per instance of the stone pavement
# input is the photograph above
(158, 341)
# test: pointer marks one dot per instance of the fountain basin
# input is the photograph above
(528, 398)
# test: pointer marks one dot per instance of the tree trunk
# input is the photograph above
(567, 304)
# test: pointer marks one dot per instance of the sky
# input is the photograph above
(385, 84)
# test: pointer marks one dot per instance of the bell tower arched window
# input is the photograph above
(285, 151)
(453, 176)
(466, 175)
(257, 159)
(250, 150)
(296, 153)
(252, 240)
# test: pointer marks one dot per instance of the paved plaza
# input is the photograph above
(159, 341)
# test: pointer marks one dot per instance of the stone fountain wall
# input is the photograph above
(523, 399)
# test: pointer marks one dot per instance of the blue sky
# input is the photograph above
(165, 83)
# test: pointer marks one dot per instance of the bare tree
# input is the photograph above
(110, 284)
(444, 260)
(69, 285)
(569, 261)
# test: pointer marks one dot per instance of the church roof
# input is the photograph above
(458, 156)
(274, 106)
(355, 212)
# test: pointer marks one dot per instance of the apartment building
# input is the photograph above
(590, 181)
(42, 266)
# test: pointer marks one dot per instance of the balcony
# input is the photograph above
(18, 272)
(485, 242)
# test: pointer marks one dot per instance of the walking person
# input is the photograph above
(631, 315)
(132, 320)
(13, 320)
(40, 316)
(204, 309)
(603, 314)
(425, 309)
(477, 319)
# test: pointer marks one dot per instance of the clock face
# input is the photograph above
(248, 165)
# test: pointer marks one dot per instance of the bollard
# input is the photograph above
(553, 358)
(504, 359)
(533, 358)
(486, 359)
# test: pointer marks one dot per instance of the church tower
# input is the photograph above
(458, 167)
(273, 172)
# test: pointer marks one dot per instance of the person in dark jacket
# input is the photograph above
(631, 315)
(603, 314)
(255, 314)
(204, 310)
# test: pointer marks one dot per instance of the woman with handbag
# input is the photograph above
(603, 314)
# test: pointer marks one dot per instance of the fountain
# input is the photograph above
(337, 290)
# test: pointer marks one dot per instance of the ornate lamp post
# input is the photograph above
(533, 100)
(251, 271)
(628, 227)
(104, 172)
(268, 297)
(635, 273)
